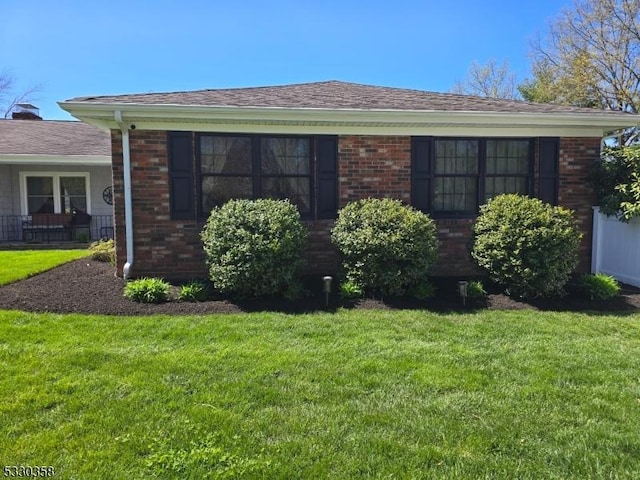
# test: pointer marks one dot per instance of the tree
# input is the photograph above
(490, 80)
(8, 96)
(590, 57)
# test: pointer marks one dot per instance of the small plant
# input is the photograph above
(423, 290)
(525, 245)
(194, 291)
(350, 290)
(599, 286)
(147, 290)
(475, 289)
(82, 237)
(103, 251)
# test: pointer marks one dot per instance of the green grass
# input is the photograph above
(18, 264)
(355, 394)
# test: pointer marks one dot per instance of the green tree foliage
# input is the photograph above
(617, 180)
(385, 247)
(589, 57)
(525, 245)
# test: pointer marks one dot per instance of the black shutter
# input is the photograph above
(327, 178)
(421, 152)
(549, 158)
(181, 197)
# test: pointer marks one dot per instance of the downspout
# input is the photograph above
(128, 210)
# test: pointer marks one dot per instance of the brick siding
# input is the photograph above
(369, 166)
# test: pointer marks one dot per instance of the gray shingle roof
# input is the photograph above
(51, 137)
(339, 95)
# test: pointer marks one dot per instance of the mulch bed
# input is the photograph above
(88, 286)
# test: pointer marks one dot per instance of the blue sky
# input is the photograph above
(78, 48)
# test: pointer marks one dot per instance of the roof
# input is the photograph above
(338, 95)
(52, 138)
(341, 108)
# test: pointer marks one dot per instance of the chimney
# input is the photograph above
(25, 111)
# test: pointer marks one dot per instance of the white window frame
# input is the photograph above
(56, 188)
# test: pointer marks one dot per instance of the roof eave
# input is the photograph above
(317, 120)
(38, 159)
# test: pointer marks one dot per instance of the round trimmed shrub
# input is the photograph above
(254, 247)
(525, 245)
(385, 246)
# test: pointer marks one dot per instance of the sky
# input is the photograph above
(74, 48)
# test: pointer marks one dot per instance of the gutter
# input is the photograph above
(128, 209)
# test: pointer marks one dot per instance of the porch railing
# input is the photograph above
(21, 228)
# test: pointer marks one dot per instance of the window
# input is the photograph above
(207, 169)
(54, 192)
(234, 167)
(453, 176)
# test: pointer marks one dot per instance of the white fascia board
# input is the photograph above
(364, 122)
(32, 159)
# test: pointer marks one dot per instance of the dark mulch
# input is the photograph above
(87, 286)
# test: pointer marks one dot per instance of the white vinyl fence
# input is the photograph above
(616, 248)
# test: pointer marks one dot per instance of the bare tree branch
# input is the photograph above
(8, 96)
(590, 56)
(490, 80)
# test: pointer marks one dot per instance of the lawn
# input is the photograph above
(17, 264)
(353, 394)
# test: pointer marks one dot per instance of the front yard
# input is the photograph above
(351, 394)
(17, 264)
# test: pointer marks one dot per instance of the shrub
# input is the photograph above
(254, 247)
(423, 290)
(350, 290)
(194, 291)
(147, 290)
(525, 245)
(617, 181)
(103, 251)
(599, 286)
(475, 289)
(385, 247)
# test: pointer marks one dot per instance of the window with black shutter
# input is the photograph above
(452, 177)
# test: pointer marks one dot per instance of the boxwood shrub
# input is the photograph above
(525, 245)
(254, 247)
(385, 247)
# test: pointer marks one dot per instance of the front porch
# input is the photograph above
(18, 231)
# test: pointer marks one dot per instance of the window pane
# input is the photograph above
(456, 156)
(217, 190)
(498, 185)
(454, 194)
(285, 156)
(230, 155)
(296, 189)
(73, 194)
(39, 195)
(508, 157)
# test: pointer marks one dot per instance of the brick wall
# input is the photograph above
(374, 166)
(577, 156)
(369, 166)
(163, 247)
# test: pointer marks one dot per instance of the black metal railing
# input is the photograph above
(54, 228)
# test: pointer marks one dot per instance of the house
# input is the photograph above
(176, 155)
(55, 180)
